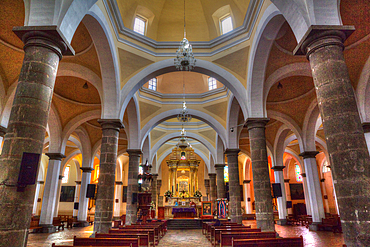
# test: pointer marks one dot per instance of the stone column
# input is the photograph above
(191, 174)
(261, 177)
(326, 201)
(108, 160)
(313, 184)
(132, 185)
(279, 178)
(221, 193)
(174, 179)
(35, 202)
(349, 157)
(83, 204)
(50, 192)
(160, 199)
(57, 199)
(76, 199)
(306, 192)
(247, 196)
(235, 211)
(44, 46)
(206, 185)
(288, 196)
(212, 187)
(117, 200)
(196, 179)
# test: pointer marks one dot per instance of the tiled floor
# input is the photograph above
(189, 238)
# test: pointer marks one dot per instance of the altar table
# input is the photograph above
(181, 212)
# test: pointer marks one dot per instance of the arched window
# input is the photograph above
(66, 175)
(226, 174)
(226, 24)
(139, 25)
(212, 84)
(153, 84)
(325, 167)
(298, 175)
(140, 173)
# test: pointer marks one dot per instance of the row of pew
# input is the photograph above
(135, 235)
(233, 234)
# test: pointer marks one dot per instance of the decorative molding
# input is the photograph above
(74, 102)
(87, 169)
(180, 96)
(286, 180)
(55, 156)
(246, 181)
(278, 168)
(245, 30)
(309, 154)
(290, 100)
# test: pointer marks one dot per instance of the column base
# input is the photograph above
(282, 222)
(314, 226)
(48, 229)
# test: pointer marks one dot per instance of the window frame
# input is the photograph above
(143, 19)
(223, 18)
(214, 83)
(150, 84)
(65, 178)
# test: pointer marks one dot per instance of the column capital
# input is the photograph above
(40, 182)
(118, 183)
(322, 180)
(43, 36)
(220, 166)
(61, 177)
(2, 131)
(134, 152)
(286, 180)
(115, 124)
(246, 181)
(315, 37)
(86, 169)
(155, 175)
(212, 175)
(278, 168)
(308, 154)
(303, 175)
(252, 123)
(78, 182)
(55, 156)
(365, 127)
(232, 151)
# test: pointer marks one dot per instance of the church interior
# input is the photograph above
(119, 113)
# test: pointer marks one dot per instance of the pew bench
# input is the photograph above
(216, 237)
(150, 232)
(80, 242)
(143, 237)
(34, 226)
(57, 222)
(268, 242)
(330, 223)
(209, 228)
(155, 228)
(226, 237)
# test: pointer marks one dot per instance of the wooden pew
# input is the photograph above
(226, 237)
(205, 226)
(150, 232)
(57, 222)
(162, 226)
(79, 242)
(144, 226)
(269, 242)
(213, 228)
(209, 228)
(34, 225)
(215, 238)
(333, 224)
(143, 237)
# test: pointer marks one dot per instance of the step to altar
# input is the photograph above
(175, 224)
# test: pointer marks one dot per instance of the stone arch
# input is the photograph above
(309, 126)
(171, 136)
(270, 24)
(166, 66)
(133, 132)
(220, 130)
(8, 102)
(279, 145)
(55, 130)
(363, 93)
(86, 146)
(232, 116)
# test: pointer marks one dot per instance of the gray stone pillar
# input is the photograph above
(349, 157)
(212, 187)
(221, 191)
(49, 198)
(108, 159)
(160, 198)
(57, 198)
(132, 185)
(43, 50)
(235, 211)
(306, 194)
(279, 178)
(313, 184)
(325, 196)
(76, 198)
(83, 204)
(206, 185)
(261, 177)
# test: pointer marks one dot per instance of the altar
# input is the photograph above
(183, 212)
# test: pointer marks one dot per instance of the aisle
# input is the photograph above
(188, 238)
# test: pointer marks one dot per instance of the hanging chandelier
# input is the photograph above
(184, 55)
(184, 116)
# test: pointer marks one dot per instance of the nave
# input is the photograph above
(194, 237)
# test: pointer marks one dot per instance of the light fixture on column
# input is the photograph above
(184, 55)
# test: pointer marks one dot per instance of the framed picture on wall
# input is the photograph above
(67, 194)
(207, 209)
(296, 191)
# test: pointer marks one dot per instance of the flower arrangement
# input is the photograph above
(168, 193)
(152, 205)
(198, 194)
(184, 194)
